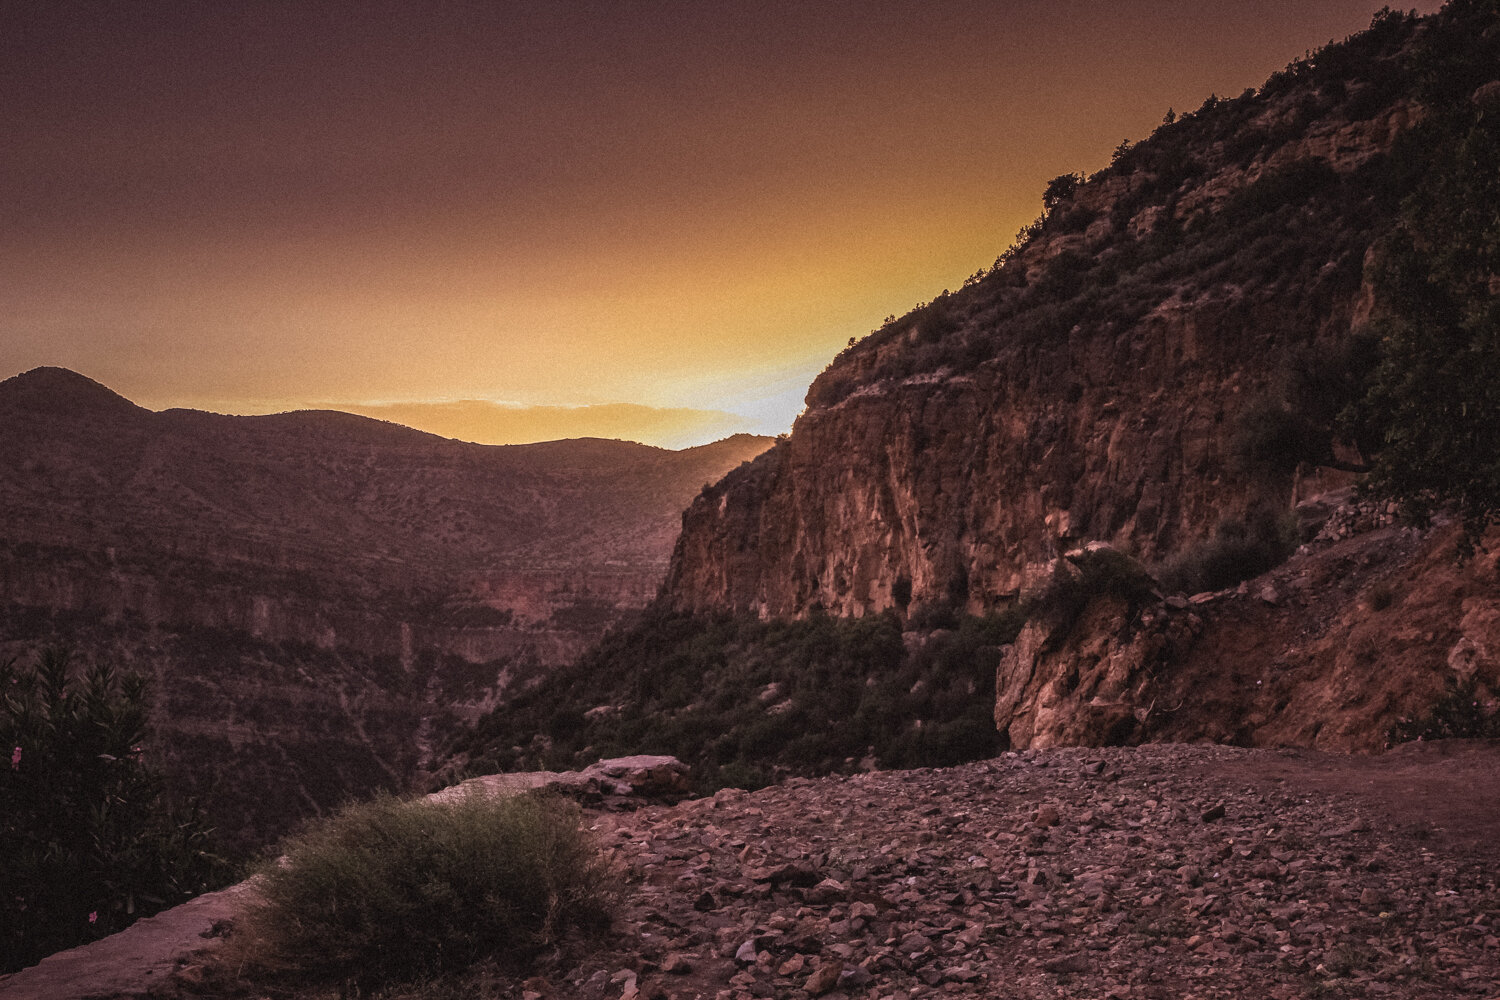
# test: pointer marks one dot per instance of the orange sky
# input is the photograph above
(683, 207)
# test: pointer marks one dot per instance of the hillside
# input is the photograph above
(1102, 381)
(1175, 366)
(314, 592)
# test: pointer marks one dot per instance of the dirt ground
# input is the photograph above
(1445, 793)
(1163, 872)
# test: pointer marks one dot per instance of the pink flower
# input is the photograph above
(15, 759)
(94, 917)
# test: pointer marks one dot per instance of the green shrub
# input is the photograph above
(1087, 575)
(1060, 189)
(742, 700)
(1459, 714)
(393, 890)
(90, 842)
(1432, 398)
(1272, 438)
(738, 774)
(1237, 550)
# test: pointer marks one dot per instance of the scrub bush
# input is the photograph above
(395, 891)
(1236, 551)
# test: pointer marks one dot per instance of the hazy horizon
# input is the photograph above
(653, 221)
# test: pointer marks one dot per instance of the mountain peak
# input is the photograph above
(62, 391)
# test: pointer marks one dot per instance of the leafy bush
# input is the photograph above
(1433, 399)
(1084, 576)
(1237, 550)
(740, 699)
(1459, 714)
(1060, 189)
(1292, 184)
(90, 842)
(392, 891)
(1273, 438)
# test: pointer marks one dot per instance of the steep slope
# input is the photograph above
(1174, 364)
(313, 592)
(1162, 353)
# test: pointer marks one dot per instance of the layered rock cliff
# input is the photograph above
(316, 595)
(1164, 352)
(1163, 365)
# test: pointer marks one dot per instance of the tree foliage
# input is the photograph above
(741, 699)
(1060, 189)
(90, 844)
(1435, 397)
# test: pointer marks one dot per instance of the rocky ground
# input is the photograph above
(1167, 871)
(1158, 872)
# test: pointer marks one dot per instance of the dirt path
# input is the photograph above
(1156, 873)
(1132, 874)
(1445, 795)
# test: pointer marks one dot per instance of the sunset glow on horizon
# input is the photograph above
(509, 221)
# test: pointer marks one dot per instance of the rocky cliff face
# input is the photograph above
(316, 595)
(1360, 633)
(1157, 364)
(1165, 351)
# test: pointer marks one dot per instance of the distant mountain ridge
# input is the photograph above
(325, 468)
(314, 591)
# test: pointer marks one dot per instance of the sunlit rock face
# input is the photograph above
(1099, 385)
(316, 596)
(1159, 362)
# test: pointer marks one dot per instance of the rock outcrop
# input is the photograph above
(1359, 633)
(1160, 362)
(619, 782)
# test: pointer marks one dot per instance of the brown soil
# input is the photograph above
(1444, 793)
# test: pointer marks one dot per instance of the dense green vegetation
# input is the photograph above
(1434, 401)
(1237, 550)
(395, 891)
(90, 841)
(743, 700)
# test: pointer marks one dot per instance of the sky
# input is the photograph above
(512, 221)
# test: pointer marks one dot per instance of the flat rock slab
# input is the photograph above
(137, 962)
(623, 781)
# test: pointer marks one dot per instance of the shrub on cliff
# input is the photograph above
(90, 843)
(1237, 550)
(1464, 712)
(1272, 438)
(1085, 575)
(393, 891)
